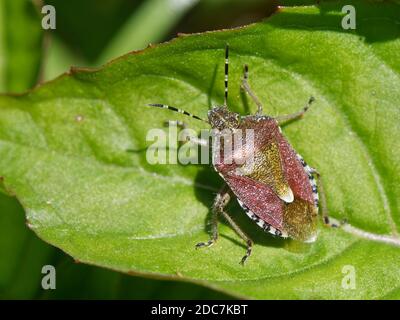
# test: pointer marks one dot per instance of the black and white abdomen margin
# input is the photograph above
(261, 223)
(310, 171)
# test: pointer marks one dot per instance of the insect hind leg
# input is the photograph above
(245, 237)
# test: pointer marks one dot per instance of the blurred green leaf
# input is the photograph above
(22, 254)
(221, 14)
(88, 26)
(59, 59)
(20, 45)
(149, 24)
(63, 152)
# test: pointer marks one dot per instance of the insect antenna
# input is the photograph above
(226, 74)
(164, 106)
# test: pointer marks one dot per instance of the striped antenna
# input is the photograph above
(226, 73)
(164, 106)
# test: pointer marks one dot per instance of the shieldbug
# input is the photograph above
(280, 191)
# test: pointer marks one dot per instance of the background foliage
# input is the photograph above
(353, 74)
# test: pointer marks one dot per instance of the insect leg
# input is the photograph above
(220, 203)
(289, 117)
(199, 141)
(183, 125)
(246, 86)
(322, 203)
(239, 231)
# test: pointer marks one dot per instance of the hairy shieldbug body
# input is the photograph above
(279, 192)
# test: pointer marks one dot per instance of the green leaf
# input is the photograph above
(22, 256)
(149, 24)
(89, 37)
(20, 45)
(63, 153)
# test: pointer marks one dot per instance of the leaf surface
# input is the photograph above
(63, 153)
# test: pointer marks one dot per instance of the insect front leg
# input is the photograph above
(182, 125)
(289, 117)
(246, 87)
(198, 141)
